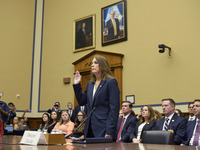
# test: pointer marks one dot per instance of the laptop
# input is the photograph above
(9, 128)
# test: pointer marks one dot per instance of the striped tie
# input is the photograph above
(166, 125)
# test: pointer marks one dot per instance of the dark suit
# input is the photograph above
(110, 27)
(80, 39)
(178, 125)
(147, 127)
(128, 127)
(72, 116)
(106, 102)
(190, 130)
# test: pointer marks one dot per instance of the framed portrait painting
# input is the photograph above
(114, 23)
(84, 33)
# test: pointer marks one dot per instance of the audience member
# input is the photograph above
(81, 116)
(54, 118)
(193, 127)
(45, 123)
(26, 120)
(4, 110)
(172, 122)
(126, 124)
(157, 115)
(1, 126)
(148, 123)
(139, 115)
(191, 113)
(70, 111)
(56, 107)
(12, 112)
(16, 124)
(77, 109)
(179, 113)
(64, 125)
(120, 114)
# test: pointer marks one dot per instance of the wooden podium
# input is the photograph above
(55, 138)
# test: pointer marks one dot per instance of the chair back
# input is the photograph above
(158, 137)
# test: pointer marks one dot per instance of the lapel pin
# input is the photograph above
(100, 86)
(172, 120)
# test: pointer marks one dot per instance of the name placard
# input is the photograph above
(33, 138)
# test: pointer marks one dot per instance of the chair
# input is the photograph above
(158, 137)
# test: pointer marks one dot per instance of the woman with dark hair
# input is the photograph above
(147, 123)
(54, 118)
(157, 115)
(45, 123)
(65, 125)
(81, 116)
(179, 113)
(102, 96)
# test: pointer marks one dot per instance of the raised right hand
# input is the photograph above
(77, 77)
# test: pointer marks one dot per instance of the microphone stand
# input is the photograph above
(80, 125)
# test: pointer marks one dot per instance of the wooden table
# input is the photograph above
(10, 142)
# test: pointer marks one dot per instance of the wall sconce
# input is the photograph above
(162, 50)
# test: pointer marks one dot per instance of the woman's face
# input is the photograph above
(95, 67)
(145, 112)
(53, 115)
(80, 116)
(65, 116)
(15, 120)
(45, 118)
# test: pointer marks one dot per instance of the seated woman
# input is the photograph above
(148, 123)
(157, 115)
(16, 124)
(45, 123)
(65, 125)
(54, 118)
(81, 116)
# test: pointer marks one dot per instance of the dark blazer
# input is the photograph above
(110, 27)
(147, 127)
(128, 127)
(106, 101)
(178, 125)
(190, 130)
(72, 117)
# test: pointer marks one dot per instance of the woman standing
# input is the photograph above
(148, 123)
(102, 97)
(65, 125)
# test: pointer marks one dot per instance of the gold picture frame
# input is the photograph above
(84, 33)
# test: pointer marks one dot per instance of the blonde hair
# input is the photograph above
(105, 68)
(61, 121)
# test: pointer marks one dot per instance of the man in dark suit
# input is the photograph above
(71, 111)
(193, 127)
(112, 26)
(191, 117)
(172, 122)
(126, 124)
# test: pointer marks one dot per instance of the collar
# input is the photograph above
(126, 116)
(170, 117)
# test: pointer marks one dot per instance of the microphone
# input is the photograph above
(80, 125)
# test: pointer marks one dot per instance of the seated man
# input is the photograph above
(172, 122)
(193, 127)
(126, 124)
(191, 117)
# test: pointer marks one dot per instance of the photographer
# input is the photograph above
(56, 107)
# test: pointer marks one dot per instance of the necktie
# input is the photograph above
(166, 125)
(120, 130)
(114, 26)
(196, 136)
